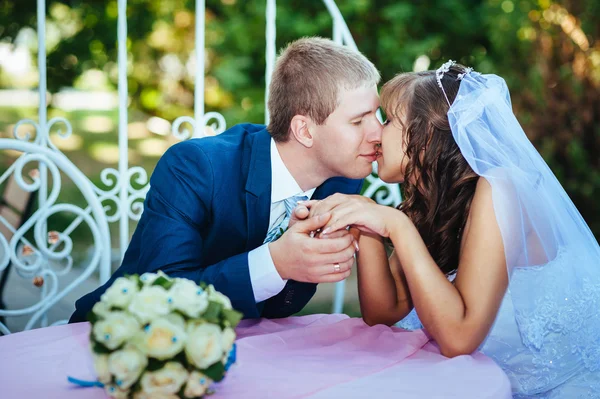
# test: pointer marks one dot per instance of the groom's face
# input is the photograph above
(345, 143)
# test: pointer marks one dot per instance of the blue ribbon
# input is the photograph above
(231, 357)
(86, 384)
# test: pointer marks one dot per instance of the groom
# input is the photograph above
(218, 207)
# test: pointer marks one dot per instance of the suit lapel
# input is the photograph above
(337, 185)
(258, 188)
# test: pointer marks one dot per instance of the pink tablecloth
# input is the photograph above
(318, 356)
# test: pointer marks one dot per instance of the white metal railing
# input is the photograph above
(42, 258)
(124, 187)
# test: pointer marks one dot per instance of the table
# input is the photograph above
(316, 356)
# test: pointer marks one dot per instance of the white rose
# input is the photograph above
(167, 380)
(101, 309)
(204, 345)
(120, 293)
(176, 319)
(149, 303)
(148, 278)
(114, 392)
(115, 329)
(101, 366)
(216, 296)
(162, 339)
(187, 297)
(127, 365)
(197, 385)
(144, 395)
(227, 340)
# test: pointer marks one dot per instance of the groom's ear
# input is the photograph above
(301, 130)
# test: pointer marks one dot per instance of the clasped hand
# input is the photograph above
(322, 238)
(355, 211)
(301, 255)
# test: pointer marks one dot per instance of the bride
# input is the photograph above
(489, 252)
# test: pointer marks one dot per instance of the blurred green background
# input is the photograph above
(548, 52)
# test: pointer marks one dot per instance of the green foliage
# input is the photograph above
(216, 372)
(212, 312)
(91, 317)
(231, 317)
(97, 347)
(155, 364)
(163, 282)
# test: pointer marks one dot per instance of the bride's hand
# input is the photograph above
(328, 204)
(356, 211)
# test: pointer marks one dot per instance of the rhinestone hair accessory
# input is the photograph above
(439, 74)
(462, 75)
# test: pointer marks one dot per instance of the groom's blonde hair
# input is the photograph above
(307, 79)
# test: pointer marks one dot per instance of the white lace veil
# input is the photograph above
(553, 259)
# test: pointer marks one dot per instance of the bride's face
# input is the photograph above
(392, 160)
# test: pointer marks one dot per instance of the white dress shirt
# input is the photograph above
(266, 281)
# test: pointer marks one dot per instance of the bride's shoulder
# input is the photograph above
(497, 172)
(482, 199)
(481, 211)
(497, 181)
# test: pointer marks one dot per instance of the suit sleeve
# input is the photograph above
(177, 209)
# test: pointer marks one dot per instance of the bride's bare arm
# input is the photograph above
(459, 315)
(382, 289)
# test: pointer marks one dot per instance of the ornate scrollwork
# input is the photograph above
(31, 187)
(218, 126)
(137, 187)
(381, 192)
(184, 134)
(136, 206)
(62, 134)
(49, 254)
(51, 299)
(42, 135)
(135, 201)
(110, 178)
(27, 137)
(138, 175)
(4, 253)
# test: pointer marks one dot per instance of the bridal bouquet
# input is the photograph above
(154, 336)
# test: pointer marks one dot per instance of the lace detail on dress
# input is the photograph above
(549, 346)
(556, 318)
(410, 322)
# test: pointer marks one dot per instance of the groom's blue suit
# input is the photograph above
(207, 207)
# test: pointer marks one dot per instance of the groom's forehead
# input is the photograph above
(358, 102)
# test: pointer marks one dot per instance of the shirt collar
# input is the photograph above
(283, 184)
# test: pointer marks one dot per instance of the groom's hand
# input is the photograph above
(300, 257)
(300, 212)
(304, 209)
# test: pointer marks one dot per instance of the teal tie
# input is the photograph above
(278, 229)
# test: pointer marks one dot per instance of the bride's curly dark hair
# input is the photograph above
(438, 183)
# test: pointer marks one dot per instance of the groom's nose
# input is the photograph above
(373, 133)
